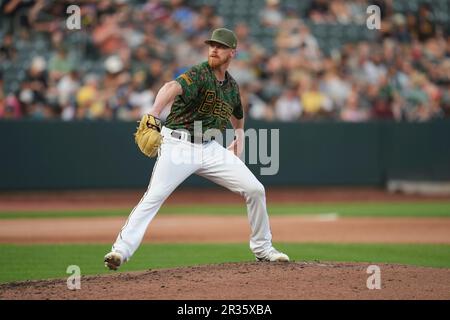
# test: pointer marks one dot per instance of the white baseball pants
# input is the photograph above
(177, 160)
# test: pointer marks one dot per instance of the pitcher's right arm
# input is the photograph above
(166, 96)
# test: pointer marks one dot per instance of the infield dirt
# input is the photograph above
(93, 199)
(230, 229)
(265, 281)
(252, 280)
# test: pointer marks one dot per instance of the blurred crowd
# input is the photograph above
(125, 51)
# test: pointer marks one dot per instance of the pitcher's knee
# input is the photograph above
(256, 190)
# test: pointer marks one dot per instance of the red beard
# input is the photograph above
(216, 62)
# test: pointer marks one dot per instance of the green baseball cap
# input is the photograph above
(223, 36)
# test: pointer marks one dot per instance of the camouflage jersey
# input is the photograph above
(204, 99)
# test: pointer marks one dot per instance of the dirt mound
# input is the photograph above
(252, 280)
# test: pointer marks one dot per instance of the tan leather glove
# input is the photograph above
(148, 135)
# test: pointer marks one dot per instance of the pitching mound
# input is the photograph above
(295, 280)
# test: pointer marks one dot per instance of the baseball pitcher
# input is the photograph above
(205, 94)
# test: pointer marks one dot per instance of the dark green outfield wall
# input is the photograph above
(60, 155)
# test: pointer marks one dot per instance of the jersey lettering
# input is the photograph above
(226, 111)
(214, 106)
(208, 104)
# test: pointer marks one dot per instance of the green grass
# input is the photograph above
(27, 262)
(367, 209)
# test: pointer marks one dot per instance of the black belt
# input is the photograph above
(191, 138)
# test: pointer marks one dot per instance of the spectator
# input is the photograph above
(183, 15)
(129, 49)
(115, 76)
(425, 23)
(2, 97)
(335, 87)
(315, 103)
(141, 59)
(67, 88)
(155, 11)
(271, 15)
(258, 108)
(416, 98)
(352, 111)
(60, 64)
(341, 11)
(243, 70)
(288, 107)
(382, 109)
(245, 43)
(296, 39)
(446, 101)
(90, 104)
(155, 73)
(7, 50)
(33, 91)
(358, 11)
(121, 107)
(274, 87)
(374, 69)
(386, 8)
(319, 11)
(401, 32)
(108, 35)
(141, 95)
(11, 108)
